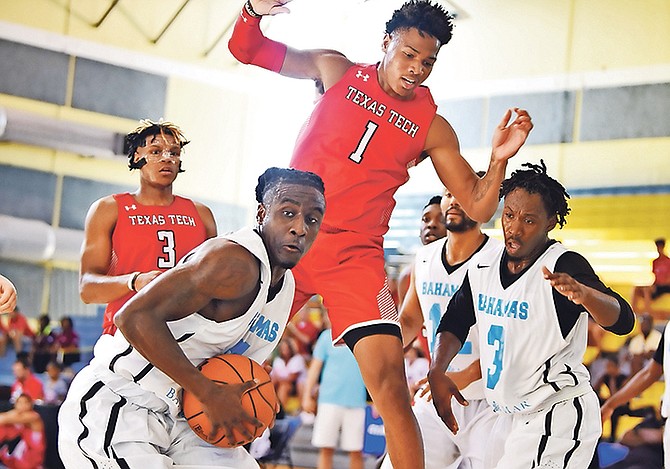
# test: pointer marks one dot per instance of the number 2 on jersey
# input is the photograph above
(357, 155)
(170, 259)
(496, 337)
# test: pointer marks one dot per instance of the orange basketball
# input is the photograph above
(260, 402)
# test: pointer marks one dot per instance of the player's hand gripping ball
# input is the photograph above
(260, 402)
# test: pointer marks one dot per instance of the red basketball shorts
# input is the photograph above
(347, 269)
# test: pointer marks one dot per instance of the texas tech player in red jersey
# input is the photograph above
(148, 238)
(131, 238)
(374, 121)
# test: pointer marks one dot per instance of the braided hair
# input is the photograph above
(425, 16)
(138, 137)
(272, 177)
(536, 181)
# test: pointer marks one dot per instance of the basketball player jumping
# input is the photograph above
(231, 294)
(530, 300)
(373, 123)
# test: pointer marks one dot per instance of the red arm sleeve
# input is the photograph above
(250, 46)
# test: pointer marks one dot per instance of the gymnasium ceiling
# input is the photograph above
(196, 32)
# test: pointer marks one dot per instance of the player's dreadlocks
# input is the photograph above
(137, 138)
(429, 18)
(536, 181)
(272, 177)
(434, 200)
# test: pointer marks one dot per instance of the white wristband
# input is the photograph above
(131, 281)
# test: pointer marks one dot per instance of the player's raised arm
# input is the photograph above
(478, 196)
(411, 317)
(249, 45)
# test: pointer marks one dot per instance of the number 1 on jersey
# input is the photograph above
(357, 155)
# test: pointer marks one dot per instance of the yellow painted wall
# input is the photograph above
(496, 45)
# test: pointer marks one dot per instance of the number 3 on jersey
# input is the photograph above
(170, 259)
(496, 337)
(357, 155)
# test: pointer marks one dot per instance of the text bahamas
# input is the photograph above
(498, 307)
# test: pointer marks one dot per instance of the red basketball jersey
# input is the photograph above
(150, 237)
(361, 141)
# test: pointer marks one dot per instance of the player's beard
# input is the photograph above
(465, 224)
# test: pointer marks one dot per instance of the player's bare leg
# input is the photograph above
(380, 359)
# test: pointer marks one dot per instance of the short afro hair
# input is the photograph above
(425, 16)
(272, 177)
(434, 200)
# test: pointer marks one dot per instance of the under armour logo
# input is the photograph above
(359, 74)
(130, 207)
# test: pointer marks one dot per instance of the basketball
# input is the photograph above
(260, 402)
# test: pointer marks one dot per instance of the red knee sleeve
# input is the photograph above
(249, 46)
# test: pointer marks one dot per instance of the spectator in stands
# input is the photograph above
(643, 345)
(642, 380)
(67, 343)
(608, 384)
(55, 386)
(660, 267)
(3, 339)
(43, 345)
(306, 325)
(645, 443)
(288, 371)
(26, 382)
(18, 328)
(342, 399)
(22, 438)
(416, 367)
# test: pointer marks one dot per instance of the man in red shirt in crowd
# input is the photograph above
(26, 382)
(661, 270)
(18, 328)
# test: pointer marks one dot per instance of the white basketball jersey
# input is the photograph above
(665, 402)
(526, 363)
(254, 334)
(435, 287)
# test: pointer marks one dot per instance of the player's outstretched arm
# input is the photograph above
(308, 393)
(478, 196)
(442, 387)
(218, 280)
(249, 45)
(605, 309)
(411, 317)
(640, 381)
(7, 295)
